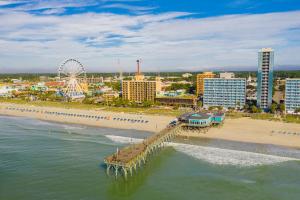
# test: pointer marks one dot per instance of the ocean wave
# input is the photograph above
(70, 127)
(123, 140)
(84, 140)
(216, 156)
(229, 157)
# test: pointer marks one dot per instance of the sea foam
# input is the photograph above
(215, 155)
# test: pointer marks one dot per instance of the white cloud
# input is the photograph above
(9, 2)
(52, 11)
(131, 8)
(163, 41)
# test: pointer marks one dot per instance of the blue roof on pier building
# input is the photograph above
(202, 119)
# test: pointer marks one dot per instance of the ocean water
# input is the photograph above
(42, 160)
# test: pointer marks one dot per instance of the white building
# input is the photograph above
(187, 75)
(227, 75)
(292, 95)
(6, 90)
(265, 78)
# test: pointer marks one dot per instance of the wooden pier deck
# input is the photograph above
(125, 161)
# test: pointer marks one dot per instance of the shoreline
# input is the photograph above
(252, 131)
(238, 130)
(194, 140)
(95, 118)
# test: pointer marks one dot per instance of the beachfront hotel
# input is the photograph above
(265, 78)
(292, 95)
(139, 89)
(200, 81)
(228, 93)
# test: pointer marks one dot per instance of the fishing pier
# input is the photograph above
(127, 160)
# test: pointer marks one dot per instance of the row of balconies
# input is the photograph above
(294, 98)
(292, 92)
(223, 99)
(224, 94)
(225, 88)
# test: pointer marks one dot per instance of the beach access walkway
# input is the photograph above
(125, 160)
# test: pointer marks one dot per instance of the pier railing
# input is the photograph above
(125, 161)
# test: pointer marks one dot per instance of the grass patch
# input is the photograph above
(149, 111)
(292, 119)
(236, 115)
(67, 105)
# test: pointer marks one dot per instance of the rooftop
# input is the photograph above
(266, 50)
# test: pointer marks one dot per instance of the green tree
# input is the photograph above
(281, 88)
(254, 109)
(281, 107)
(119, 102)
(178, 86)
(147, 104)
(199, 104)
(251, 87)
(273, 108)
(238, 103)
(87, 101)
(116, 86)
(246, 107)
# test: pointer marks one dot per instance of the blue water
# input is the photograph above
(42, 160)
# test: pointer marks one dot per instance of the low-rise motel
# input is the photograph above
(292, 95)
(225, 92)
(201, 120)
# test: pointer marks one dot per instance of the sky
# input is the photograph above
(167, 35)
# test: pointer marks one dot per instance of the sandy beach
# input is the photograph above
(253, 131)
(242, 129)
(88, 117)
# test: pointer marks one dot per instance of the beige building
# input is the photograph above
(227, 75)
(139, 89)
(110, 96)
(200, 81)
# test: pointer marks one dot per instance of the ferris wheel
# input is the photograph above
(72, 70)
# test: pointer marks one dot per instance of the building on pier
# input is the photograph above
(202, 120)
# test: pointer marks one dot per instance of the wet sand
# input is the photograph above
(253, 131)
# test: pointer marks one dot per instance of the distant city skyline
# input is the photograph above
(109, 35)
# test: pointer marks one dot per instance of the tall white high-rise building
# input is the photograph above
(265, 78)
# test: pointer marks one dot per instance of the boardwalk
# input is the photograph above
(128, 159)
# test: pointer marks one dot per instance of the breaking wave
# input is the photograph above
(229, 157)
(216, 156)
(123, 140)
